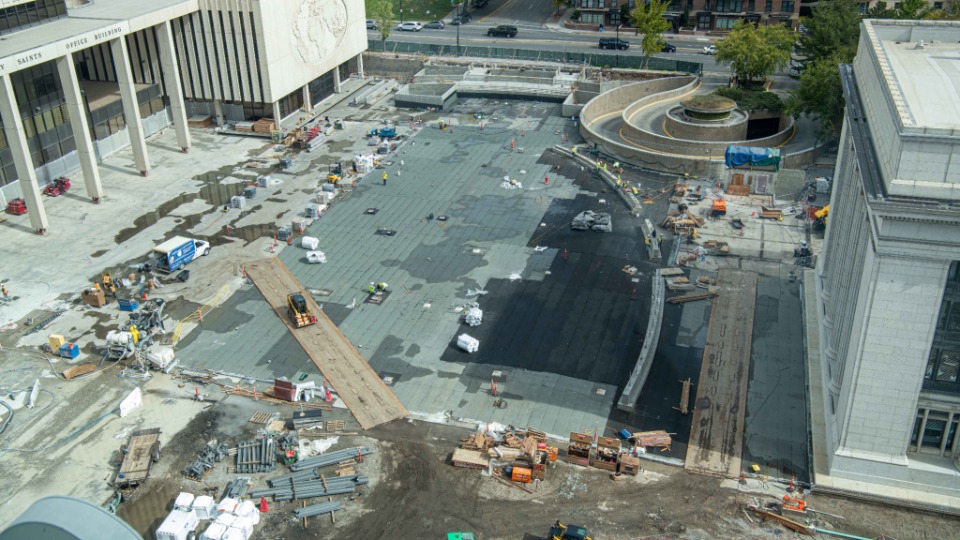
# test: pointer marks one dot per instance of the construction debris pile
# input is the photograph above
(512, 456)
(592, 221)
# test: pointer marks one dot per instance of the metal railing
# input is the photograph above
(564, 57)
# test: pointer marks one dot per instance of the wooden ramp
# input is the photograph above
(362, 391)
(716, 436)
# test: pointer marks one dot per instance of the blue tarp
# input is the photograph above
(738, 156)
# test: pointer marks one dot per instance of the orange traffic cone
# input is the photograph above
(263, 505)
(792, 487)
(743, 478)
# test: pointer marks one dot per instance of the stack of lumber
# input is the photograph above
(652, 438)
(679, 283)
(264, 125)
(469, 459)
(692, 297)
(478, 441)
(770, 213)
(245, 127)
(200, 121)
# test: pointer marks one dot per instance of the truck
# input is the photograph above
(384, 132)
(176, 252)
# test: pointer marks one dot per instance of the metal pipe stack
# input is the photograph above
(257, 457)
(329, 459)
(317, 509)
(292, 489)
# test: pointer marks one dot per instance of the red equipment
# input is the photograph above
(58, 187)
(17, 207)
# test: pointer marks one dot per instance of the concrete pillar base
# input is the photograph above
(144, 173)
(96, 200)
(42, 232)
(185, 149)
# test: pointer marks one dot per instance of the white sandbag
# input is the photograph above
(309, 242)
(468, 343)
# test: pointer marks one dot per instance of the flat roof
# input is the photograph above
(84, 27)
(922, 79)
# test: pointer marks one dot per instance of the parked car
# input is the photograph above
(503, 31)
(668, 48)
(461, 19)
(410, 26)
(436, 25)
(371, 24)
(480, 4)
(614, 43)
(796, 70)
(710, 49)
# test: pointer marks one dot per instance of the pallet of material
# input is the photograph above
(768, 213)
(670, 272)
(742, 191)
(138, 457)
(264, 125)
(679, 284)
(652, 438)
(200, 121)
(244, 127)
(477, 441)
(76, 371)
(469, 459)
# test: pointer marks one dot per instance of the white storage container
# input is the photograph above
(234, 534)
(238, 201)
(227, 520)
(468, 343)
(316, 257)
(177, 525)
(203, 507)
(245, 524)
(215, 531)
(184, 500)
(309, 242)
(248, 510)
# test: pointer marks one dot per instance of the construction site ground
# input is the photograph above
(557, 302)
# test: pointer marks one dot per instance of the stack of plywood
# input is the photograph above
(245, 127)
(469, 459)
(652, 438)
(264, 125)
(200, 121)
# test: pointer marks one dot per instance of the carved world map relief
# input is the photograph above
(319, 28)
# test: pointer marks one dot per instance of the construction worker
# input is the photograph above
(573, 150)
(660, 239)
(384, 177)
(619, 182)
(616, 165)
(6, 292)
(598, 166)
(604, 167)
(646, 240)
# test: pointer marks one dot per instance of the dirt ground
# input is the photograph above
(415, 493)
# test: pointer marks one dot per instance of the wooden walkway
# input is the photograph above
(716, 436)
(362, 391)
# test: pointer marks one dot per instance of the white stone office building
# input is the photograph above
(888, 280)
(82, 79)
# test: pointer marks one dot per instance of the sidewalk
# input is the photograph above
(557, 24)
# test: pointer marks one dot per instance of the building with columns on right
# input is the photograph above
(888, 280)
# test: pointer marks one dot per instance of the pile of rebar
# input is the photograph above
(317, 509)
(292, 489)
(257, 457)
(329, 459)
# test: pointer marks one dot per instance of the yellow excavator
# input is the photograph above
(559, 531)
(820, 218)
(299, 312)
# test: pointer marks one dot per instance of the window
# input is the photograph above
(751, 5)
(591, 18)
(787, 6)
(938, 5)
(943, 366)
(592, 4)
(726, 23)
(937, 435)
(706, 5)
(728, 6)
(769, 7)
(703, 21)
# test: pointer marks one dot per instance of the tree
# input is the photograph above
(914, 9)
(880, 11)
(648, 20)
(834, 27)
(820, 95)
(559, 4)
(755, 53)
(381, 11)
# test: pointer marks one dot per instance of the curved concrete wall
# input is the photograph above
(735, 130)
(653, 150)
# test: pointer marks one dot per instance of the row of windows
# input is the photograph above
(22, 16)
(105, 127)
(739, 6)
(943, 365)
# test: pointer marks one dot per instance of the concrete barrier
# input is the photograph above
(631, 391)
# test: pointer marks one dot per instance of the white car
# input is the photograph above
(710, 49)
(410, 26)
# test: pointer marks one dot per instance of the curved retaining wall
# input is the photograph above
(733, 130)
(631, 391)
(652, 150)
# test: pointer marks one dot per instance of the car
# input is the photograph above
(436, 25)
(710, 49)
(796, 70)
(480, 4)
(461, 19)
(614, 43)
(668, 48)
(371, 24)
(503, 30)
(410, 26)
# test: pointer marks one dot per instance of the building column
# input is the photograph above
(81, 128)
(168, 61)
(17, 141)
(276, 115)
(307, 103)
(360, 65)
(131, 107)
(336, 80)
(218, 113)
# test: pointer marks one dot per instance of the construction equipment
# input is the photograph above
(385, 132)
(58, 187)
(298, 311)
(719, 208)
(334, 172)
(820, 218)
(559, 531)
(17, 207)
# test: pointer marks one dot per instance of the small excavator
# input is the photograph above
(559, 531)
(298, 311)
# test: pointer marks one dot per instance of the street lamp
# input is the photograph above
(459, 22)
(615, 19)
(401, 11)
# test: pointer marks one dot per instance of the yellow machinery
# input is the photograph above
(299, 311)
(820, 218)
(559, 531)
(334, 172)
